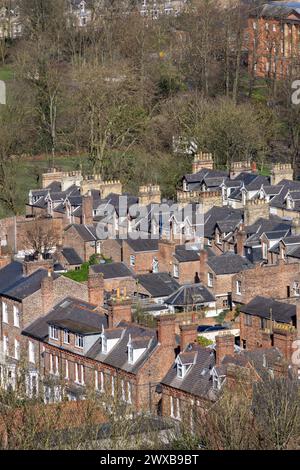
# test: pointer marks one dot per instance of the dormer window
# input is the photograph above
(104, 344)
(110, 338)
(180, 373)
(184, 362)
(130, 355)
(53, 332)
(79, 341)
(136, 348)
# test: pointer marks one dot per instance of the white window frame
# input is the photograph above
(79, 341)
(16, 316)
(180, 370)
(66, 337)
(53, 332)
(176, 271)
(101, 381)
(76, 372)
(17, 349)
(132, 260)
(104, 344)
(129, 394)
(238, 287)
(51, 363)
(112, 386)
(172, 407)
(67, 369)
(130, 355)
(31, 352)
(4, 312)
(210, 279)
(123, 390)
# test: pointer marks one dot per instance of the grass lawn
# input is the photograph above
(81, 275)
(6, 73)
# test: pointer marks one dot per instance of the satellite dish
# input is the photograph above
(2, 92)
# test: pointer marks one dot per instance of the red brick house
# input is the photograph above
(217, 272)
(266, 323)
(273, 38)
(82, 346)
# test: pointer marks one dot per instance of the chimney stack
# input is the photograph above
(119, 309)
(166, 249)
(240, 242)
(96, 288)
(47, 292)
(188, 334)
(87, 209)
(203, 266)
(224, 347)
(166, 331)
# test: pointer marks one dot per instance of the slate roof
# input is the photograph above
(287, 185)
(204, 173)
(118, 356)
(141, 245)
(218, 214)
(158, 284)
(86, 232)
(272, 224)
(190, 294)
(197, 381)
(276, 234)
(228, 263)
(228, 225)
(72, 256)
(10, 274)
(112, 270)
(186, 255)
(73, 314)
(27, 285)
(260, 306)
(280, 10)
(261, 359)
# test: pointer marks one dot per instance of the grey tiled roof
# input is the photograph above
(184, 255)
(158, 284)
(112, 270)
(197, 381)
(86, 232)
(228, 263)
(205, 173)
(143, 245)
(27, 285)
(73, 314)
(118, 356)
(261, 359)
(218, 214)
(10, 274)
(260, 306)
(72, 256)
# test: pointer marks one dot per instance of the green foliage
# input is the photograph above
(221, 317)
(81, 275)
(204, 342)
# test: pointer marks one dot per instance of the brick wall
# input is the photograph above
(266, 280)
(253, 336)
(72, 239)
(143, 260)
(112, 249)
(33, 304)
